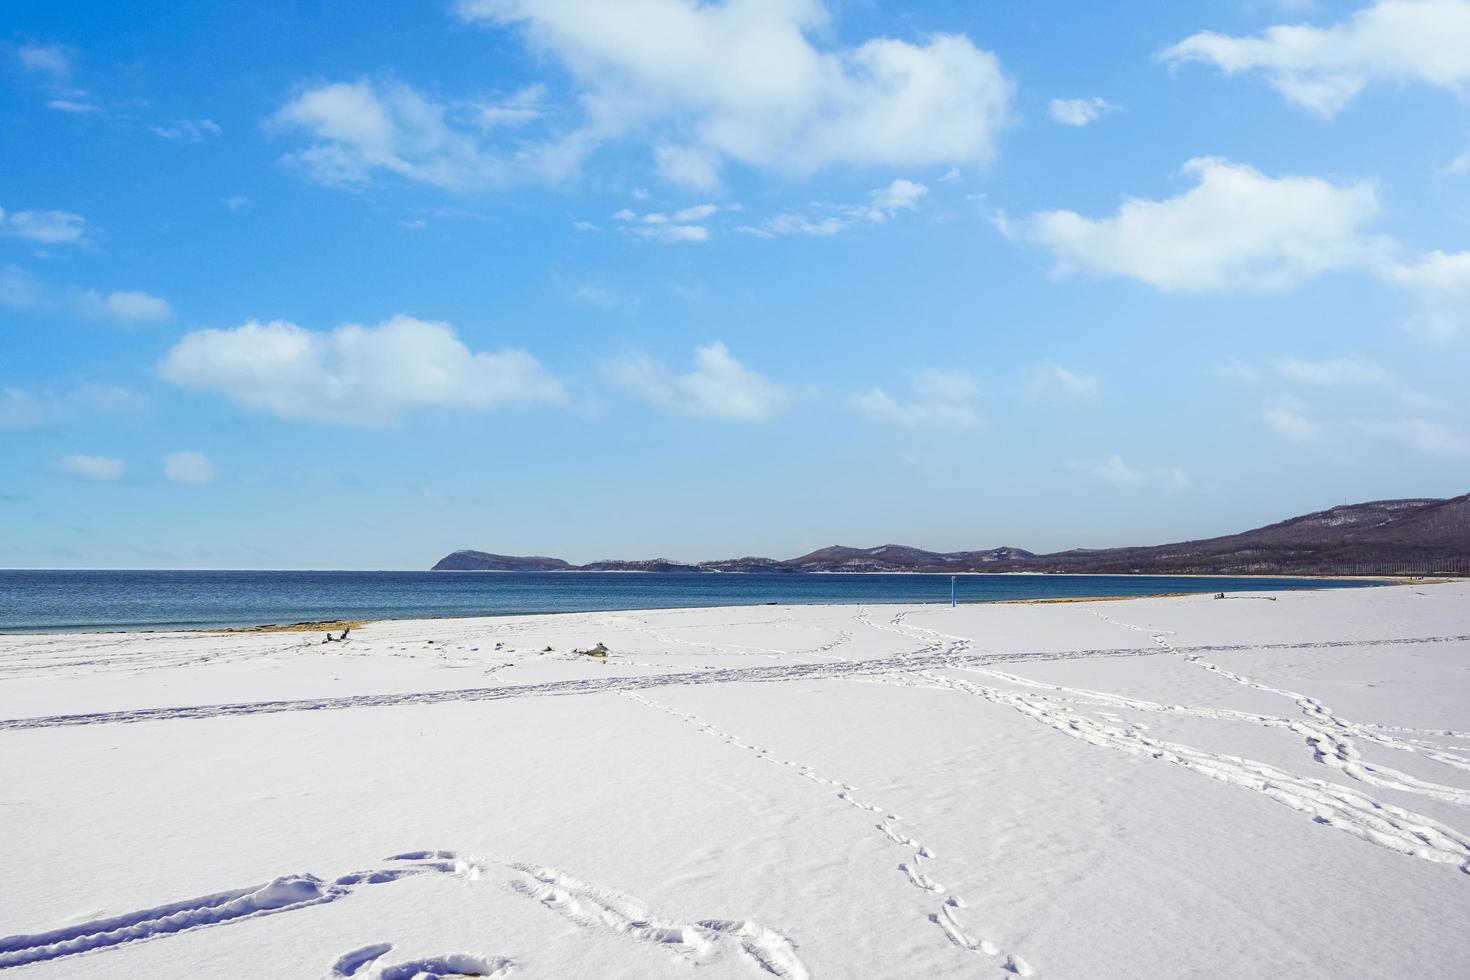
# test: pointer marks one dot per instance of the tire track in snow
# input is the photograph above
(725, 675)
(933, 654)
(36, 660)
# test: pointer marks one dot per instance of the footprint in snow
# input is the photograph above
(362, 963)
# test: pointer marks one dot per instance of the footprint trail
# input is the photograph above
(699, 941)
(890, 827)
(1327, 803)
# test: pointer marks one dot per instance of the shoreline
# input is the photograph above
(355, 622)
(968, 572)
(1386, 576)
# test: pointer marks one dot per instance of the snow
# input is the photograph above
(1179, 786)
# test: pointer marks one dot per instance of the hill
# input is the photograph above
(1382, 536)
(1413, 536)
(897, 557)
(483, 561)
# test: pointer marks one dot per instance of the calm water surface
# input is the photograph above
(136, 600)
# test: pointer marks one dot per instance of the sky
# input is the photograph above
(309, 285)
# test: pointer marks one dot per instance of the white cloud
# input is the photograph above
(939, 400)
(46, 59)
(831, 219)
(73, 107)
(718, 387)
(19, 409)
(1324, 68)
(1440, 283)
(1079, 112)
(1287, 421)
(19, 289)
(1235, 229)
(701, 84)
(1342, 373)
(106, 399)
(52, 65)
(1293, 7)
(675, 233)
(354, 374)
(596, 293)
(22, 409)
(188, 466)
(688, 166)
(126, 307)
(1234, 369)
(1347, 372)
(91, 467)
(696, 213)
(1421, 435)
(1335, 372)
(1115, 471)
(519, 108)
(236, 202)
(744, 81)
(45, 227)
(793, 223)
(1050, 381)
(677, 227)
(187, 130)
(361, 128)
(901, 195)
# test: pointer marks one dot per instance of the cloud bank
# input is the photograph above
(1324, 68)
(1236, 228)
(699, 84)
(353, 374)
(718, 387)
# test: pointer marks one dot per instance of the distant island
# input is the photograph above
(1384, 537)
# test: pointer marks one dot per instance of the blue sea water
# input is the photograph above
(140, 600)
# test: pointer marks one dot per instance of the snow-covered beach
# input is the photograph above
(1250, 787)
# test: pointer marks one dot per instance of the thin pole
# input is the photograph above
(952, 602)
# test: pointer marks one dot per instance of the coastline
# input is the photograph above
(970, 572)
(303, 602)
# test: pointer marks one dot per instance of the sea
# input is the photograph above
(53, 600)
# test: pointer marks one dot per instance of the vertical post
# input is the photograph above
(952, 601)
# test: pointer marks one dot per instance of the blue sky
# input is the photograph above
(310, 285)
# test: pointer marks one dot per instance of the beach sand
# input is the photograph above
(1167, 787)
